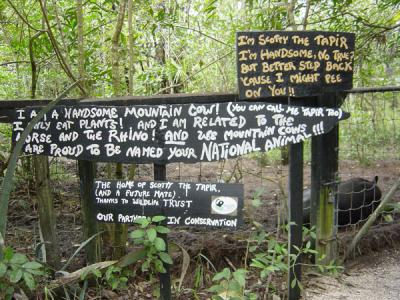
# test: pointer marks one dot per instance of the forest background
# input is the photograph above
(147, 47)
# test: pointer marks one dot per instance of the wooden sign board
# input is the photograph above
(171, 133)
(293, 63)
(216, 205)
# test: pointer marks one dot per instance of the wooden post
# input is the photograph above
(160, 173)
(315, 185)
(326, 163)
(45, 203)
(87, 173)
(295, 215)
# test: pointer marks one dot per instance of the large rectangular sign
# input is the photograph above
(293, 63)
(171, 133)
(184, 203)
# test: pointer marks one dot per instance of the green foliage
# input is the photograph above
(270, 260)
(117, 278)
(271, 256)
(114, 277)
(148, 235)
(231, 285)
(16, 270)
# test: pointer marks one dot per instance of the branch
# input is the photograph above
(366, 23)
(194, 74)
(33, 64)
(308, 6)
(74, 42)
(22, 17)
(13, 62)
(200, 32)
(115, 49)
(60, 57)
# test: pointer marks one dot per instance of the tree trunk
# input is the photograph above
(132, 167)
(118, 232)
(44, 194)
(45, 203)
(87, 169)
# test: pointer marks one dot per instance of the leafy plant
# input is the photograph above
(272, 257)
(231, 285)
(155, 247)
(16, 270)
(117, 277)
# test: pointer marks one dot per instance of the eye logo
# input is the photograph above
(223, 205)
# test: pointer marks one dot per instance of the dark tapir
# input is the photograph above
(357, 198)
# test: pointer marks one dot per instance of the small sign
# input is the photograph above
(293, 63)
(216, 205)
(171, 133)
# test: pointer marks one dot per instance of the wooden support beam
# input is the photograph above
(326, 152)
(87, 173)
(295, 216)
(160, 174)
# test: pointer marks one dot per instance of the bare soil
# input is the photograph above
(373, 276)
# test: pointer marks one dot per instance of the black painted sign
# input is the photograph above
(171, 133)
(293, 63)
(217, 205)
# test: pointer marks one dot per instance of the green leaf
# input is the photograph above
(159, 266)
(293, 283)
(225, 273)
(145, 266)
(144, 222)
(8, 253)
(159, 244)
(158, 219)
(29, 280)
(19, 259)
(137, 234)
(33, 265)
(240, 276)
(35, 271)
(3, 269)
(15, 275)
(151, 234)
(97, 273)
(216, 289)
(114, 285)
(162, 229)
(165, 257)
(234, 286)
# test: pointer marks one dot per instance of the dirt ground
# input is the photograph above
(373, 276)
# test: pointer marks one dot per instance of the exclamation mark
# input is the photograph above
(291, 91)
(317, 129)
(153, 134)
(321, 127)
(120, 123)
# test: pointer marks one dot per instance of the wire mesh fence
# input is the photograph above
(369, 161)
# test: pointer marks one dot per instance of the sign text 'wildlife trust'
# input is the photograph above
(216, 205)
